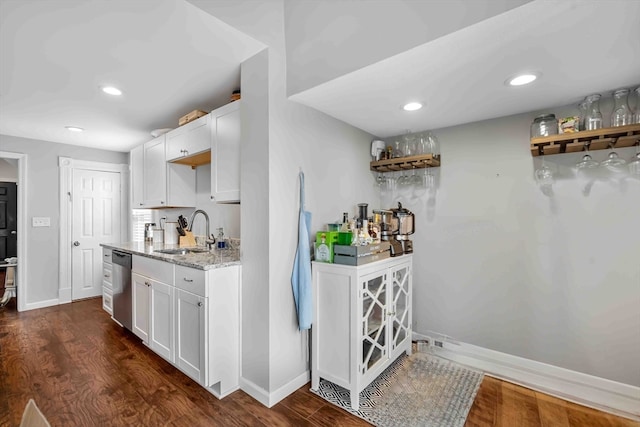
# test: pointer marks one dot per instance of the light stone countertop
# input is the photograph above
(215, 258)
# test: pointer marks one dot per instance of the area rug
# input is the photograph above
(417, 390)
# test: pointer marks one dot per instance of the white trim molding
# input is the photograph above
(22, 281)
(66, 165)
(587, 390)
(269, 399)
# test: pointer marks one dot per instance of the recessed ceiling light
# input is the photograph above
(74, 128)
(412, 106)
(111, 90)
(521, 79)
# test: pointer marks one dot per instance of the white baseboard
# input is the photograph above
(270, 399)
(588, 390)
(40, 304)
(64, 295)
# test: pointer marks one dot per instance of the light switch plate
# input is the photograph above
(41, 221)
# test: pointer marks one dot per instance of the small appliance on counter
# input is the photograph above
(396, 225)
(405, 221)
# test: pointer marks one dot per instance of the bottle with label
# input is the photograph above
(323, 254)
(222, 244)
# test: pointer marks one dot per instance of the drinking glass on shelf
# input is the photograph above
(636, 116)
(397, 151)
(621, 114)
(593, 119)
(409, 145)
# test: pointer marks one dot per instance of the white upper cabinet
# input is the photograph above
(190, 139)
(225, 153)
(156, 183)
(136, 158)
(155, 173)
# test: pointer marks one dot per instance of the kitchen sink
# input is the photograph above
(181, 251)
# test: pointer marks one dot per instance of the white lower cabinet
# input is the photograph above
(107, 281)
(140, 288)
(191, 324)
(161, 320)
(362, 321)
(190, 317)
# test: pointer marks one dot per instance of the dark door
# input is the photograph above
(8, 220)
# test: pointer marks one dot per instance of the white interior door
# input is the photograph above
(96, 219)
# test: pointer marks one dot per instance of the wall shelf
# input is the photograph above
(600, 139)
(404, 163)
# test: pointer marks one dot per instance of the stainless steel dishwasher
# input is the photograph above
(122, 301)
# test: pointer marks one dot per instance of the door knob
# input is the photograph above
(13, 232)
(76, 243)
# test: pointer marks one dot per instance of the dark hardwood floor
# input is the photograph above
(84, 370)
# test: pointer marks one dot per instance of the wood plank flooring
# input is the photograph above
(84, 370)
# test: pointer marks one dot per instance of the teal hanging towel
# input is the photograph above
(301, 274)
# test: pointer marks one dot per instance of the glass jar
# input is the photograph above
(544, 125)
(583, 114)
(593, 119)
(621, 115)
(636, 116)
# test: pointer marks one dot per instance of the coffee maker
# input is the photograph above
(405, 228)
(388, 229)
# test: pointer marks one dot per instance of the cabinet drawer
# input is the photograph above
(152, 268)
(107, 300)
(106, 255)
(107, 275)
(191, 280)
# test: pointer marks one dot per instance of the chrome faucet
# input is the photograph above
(209, 239)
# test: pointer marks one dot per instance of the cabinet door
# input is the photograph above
(373, 321)
(225, 153)
(181, 185)
(400, 305)
(140, 317)
(190, 334)
(189, 139)
(155, 173)
(136, 163)
(176, 143)
(161, 321)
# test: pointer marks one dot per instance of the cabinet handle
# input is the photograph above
(187, 280)
(147, 283)
(106, 275)
(199, 304)
(106, 255)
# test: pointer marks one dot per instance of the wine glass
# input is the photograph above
(585, 167)
(634, 166)
(614, 163)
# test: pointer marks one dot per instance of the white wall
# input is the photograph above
(334, 157)
(223, 215)
(327, 39)
(8, 170)
(502, 266)
(42, 177)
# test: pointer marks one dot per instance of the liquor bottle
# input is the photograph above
(322, 250)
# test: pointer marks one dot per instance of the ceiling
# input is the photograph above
(54, 56)
(579, 47)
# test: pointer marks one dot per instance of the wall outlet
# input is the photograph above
(41, 221)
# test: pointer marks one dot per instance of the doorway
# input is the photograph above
(18, 164)
(96, 219)
(93, 210)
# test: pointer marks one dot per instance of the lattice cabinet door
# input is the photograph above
(400, 305)
(373, 297)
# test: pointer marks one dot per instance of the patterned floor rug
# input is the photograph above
(417, 390)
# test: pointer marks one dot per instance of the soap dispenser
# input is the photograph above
(221, 239)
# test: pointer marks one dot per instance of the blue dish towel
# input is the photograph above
(301, 274)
